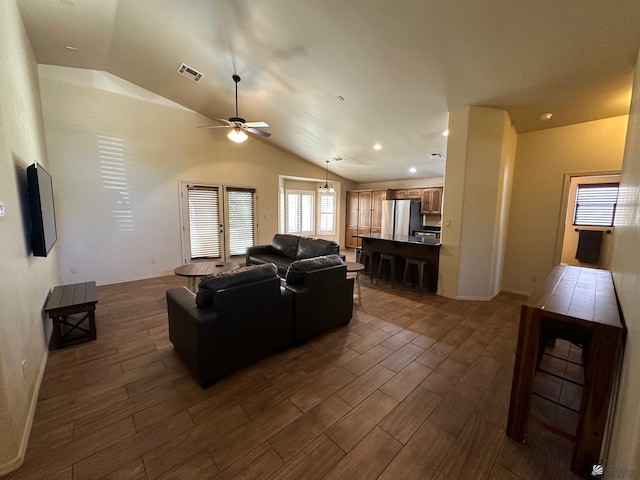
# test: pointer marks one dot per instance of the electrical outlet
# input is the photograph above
(24, 368)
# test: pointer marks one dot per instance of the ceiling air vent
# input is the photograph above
(189, 72)
(435, 155)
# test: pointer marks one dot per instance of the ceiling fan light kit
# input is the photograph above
(237, 135)
(239, 125)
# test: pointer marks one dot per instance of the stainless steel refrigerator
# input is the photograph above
(401, 217)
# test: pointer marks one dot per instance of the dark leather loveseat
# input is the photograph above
(285, 249)
(323, 295)
(234, 320)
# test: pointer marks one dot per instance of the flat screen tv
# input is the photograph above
(43, 215)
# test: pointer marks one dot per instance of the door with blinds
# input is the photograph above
(218, 222)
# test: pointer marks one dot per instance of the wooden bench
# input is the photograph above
(580, 303)
(72, 310)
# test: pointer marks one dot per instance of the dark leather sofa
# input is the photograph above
(285, 249)
(323, 295)
(235, 319)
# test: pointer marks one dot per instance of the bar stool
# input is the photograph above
(384, 257)
(366, 259)
(420, 264)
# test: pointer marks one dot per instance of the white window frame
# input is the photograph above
(332, 213)
(306, 193)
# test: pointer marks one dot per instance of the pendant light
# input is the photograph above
(327, 187)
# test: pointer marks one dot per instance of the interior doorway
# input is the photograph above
(587, 231)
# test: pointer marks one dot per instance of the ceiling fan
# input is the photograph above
(238, 124)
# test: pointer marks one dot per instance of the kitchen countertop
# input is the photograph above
(434, 242)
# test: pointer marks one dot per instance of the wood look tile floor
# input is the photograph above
(413, 388)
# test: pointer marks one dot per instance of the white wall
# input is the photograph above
(480, 157)
(543, 159)
(624, 451)
(25, 280)
(161, 146)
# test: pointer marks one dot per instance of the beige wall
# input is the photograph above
(543, 159)
(481, 153)
(161, 146)
(26, 280)
(624, 451)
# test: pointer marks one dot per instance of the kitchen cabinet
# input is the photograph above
(364, 215)
(406, 193)
(431, 200)
(377, 196)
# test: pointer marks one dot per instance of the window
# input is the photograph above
(300, 218)
(204, 221)
(241, 220)
(326, 209)
(219, 221)
(596, 204)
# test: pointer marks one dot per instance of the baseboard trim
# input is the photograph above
(16, 462)
(463, 298)
(517, 292)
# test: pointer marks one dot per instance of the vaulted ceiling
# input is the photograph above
(335, 77)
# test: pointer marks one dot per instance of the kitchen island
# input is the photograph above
(422, 248)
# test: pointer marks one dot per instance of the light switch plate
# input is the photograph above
(1, 208)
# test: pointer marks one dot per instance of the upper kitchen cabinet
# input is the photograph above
(404, 194)
(431, 200)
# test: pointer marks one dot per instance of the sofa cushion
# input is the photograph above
(297, 269)
(281, 262)
(242, 276)
(285, 245)
(314, 247)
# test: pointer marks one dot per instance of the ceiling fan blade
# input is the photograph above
(257, 132)
(257, 124)
(214, 126)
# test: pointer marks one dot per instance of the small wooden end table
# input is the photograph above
(64, 305)
(356, 267)
(200, 269)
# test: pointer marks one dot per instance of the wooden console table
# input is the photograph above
(64, 306)
(572, 303)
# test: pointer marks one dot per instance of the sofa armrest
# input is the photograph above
(191, 329)
(257, 250)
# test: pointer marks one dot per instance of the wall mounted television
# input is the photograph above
(43, 215)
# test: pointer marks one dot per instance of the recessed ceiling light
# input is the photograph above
(377, 146)
(70, 48)
(413, 170)
(545, 116)
(446, 133)
(340, 97)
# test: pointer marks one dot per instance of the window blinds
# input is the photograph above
(596, 204)
(204, 221)
(241, 227)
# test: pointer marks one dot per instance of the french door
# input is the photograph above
(218, 221)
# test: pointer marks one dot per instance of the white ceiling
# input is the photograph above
(401, 65)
